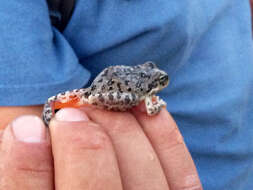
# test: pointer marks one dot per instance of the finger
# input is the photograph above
(25, 156)
(139, 166)
(83, 154)
(9, 113)
(168, 143)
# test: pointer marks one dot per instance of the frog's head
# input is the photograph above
(158, 79)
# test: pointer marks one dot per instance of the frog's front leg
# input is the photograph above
(154, 104)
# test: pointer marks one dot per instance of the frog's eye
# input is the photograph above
(164, 79)
(150, 65)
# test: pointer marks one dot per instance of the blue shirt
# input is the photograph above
(205, 46)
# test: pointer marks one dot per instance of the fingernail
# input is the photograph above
(29, 128)
(71, 114)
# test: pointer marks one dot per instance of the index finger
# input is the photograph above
(169, 145)
(84, 157)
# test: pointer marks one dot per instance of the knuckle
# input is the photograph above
(90, 138)
(33, 160)
(124, 123)
(170, 138)
(114, 122)
(190, 182)
(196, 187)
(34, 170)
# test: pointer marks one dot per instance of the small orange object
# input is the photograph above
(73, 102)
(154, 99)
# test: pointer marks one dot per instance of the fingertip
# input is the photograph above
(29, 128)
(71, 114)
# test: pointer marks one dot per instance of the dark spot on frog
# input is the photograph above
(138, 85)
(137, 67)
(150, 110)
(151, 65)
(133, 97)
(100, 97)
(87, 94)
(48, 111)
(101, 80)
(143, 75)
(115, 74)
(119, 87)
(110, 82)
(110, 96)
(127, 70)
(103, 87)
(127, 82)
(127, 99)
(118, 95)
(105, 73)
(93, 87)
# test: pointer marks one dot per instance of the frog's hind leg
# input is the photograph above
(154, 104)
(66, 99)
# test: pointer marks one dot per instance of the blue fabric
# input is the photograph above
(205, 46)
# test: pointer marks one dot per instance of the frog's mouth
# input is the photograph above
(154, 91)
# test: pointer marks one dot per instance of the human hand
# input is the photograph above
(96, 149)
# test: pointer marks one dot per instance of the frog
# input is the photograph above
(116, 88)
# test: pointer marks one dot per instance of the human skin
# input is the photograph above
(96, 149)
(31, 163)
(8, 113)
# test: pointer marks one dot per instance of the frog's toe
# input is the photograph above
(154, 105)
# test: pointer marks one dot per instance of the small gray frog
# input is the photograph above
(116, 88)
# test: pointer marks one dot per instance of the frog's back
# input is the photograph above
(132, 79)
